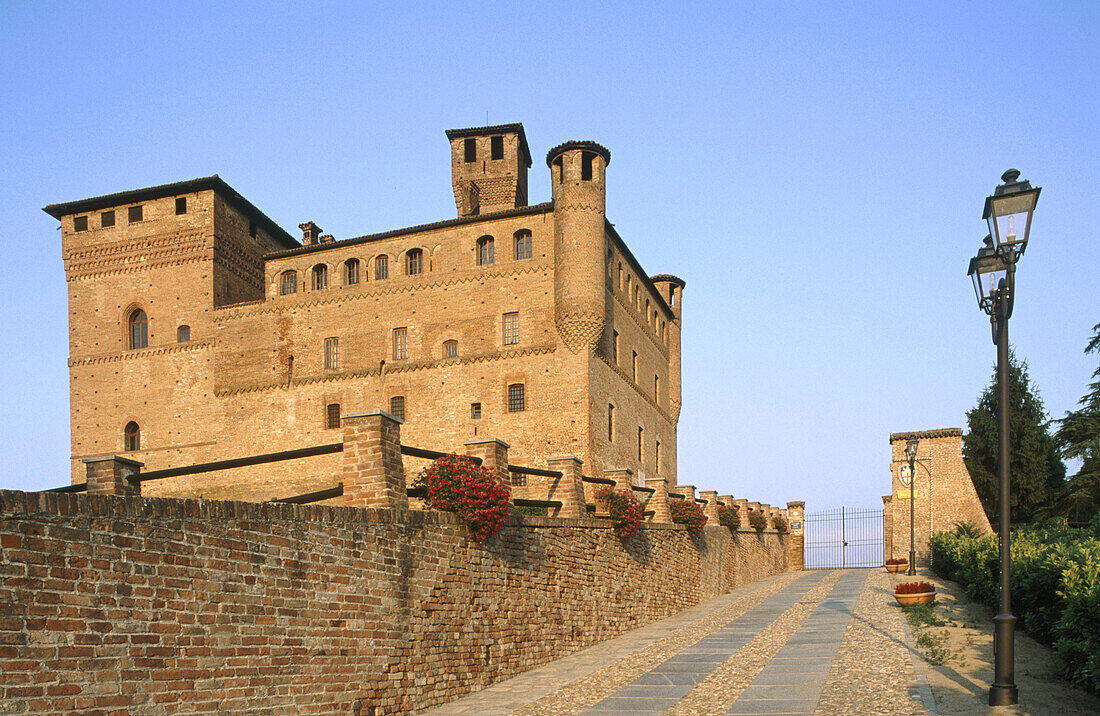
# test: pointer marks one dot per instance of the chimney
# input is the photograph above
(310, 233)
(326, 239)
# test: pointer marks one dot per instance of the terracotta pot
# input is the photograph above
(895, 568)
(908, 600)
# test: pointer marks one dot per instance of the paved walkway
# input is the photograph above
(784, 645)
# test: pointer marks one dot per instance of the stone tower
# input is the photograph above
(577, 180)
(671, 289)
(489, 168)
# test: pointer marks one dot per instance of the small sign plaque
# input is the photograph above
(904, 494)
(796, 525)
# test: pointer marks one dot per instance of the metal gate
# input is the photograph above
(843, 537)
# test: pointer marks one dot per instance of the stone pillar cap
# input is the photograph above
(486, 441)
(113, 458)
(574, 458)
(369, 413)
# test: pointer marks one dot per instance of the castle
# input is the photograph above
(199, 330)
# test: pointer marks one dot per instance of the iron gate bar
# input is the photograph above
(843, 537)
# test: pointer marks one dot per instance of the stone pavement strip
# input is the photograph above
(799, 643)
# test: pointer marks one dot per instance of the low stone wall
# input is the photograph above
(144, 604)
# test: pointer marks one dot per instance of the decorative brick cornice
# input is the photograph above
(141, 353)
(646, 328)
(922, 434)
(637, 388)
(390, 368)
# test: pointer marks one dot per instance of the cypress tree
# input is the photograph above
(1078, 437)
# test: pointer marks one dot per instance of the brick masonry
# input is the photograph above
(125, 604)
(945, 493)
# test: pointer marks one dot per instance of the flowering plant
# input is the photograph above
(781, 524)
(625, 511)
(757, 520)
(914, 588)
(688, 513)
(729, 517)
(897, 560)
(455, 483)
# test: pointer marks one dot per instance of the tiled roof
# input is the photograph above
(670, 278)
(579, 144)
(921, 434)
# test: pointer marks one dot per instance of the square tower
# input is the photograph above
(489, 168)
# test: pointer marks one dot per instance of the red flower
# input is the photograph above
(455, 483)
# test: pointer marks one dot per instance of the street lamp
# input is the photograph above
(911, 456)
(1008, 213)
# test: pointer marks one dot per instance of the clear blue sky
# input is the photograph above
(815, 172)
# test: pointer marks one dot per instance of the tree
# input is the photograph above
(1038, 474)
(1078, 437)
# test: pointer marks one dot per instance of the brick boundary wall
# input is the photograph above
(130, 604)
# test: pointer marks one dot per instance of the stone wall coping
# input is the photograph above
(486, 441)
(627, 470)
(369, 413)
(574, 458)
(113, 458)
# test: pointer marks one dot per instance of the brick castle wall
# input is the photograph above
(148, 604)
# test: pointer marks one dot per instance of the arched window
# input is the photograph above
(587, 160)
(450, 349)
(523, 244)
(414, 262)
(183, 334)
(320, 277)
(288, 283)
(351, 272)
(485, 255)
(381, 268)
(131, 437)
(139, 329)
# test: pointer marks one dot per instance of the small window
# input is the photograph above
(516, 403)
(131, 437)
(252, 229)
(647, 313)
(656, 389)
(637, 300)
(511, 329)
(615, 346)
(107, 219)
(80, 223)
(414, 262)
(475, 411)
(181, 205)
(523, 244)
(657, 458)
(641, 442)
(485, 253)
(470, 149)
(332, 416)
(400, 343)
(382, 268)
(610, 422)
(587, 159)
(183, 334)
(634, 366)
(288, 283)
(559, 169)
(622, 286)
(497, 147)
(135, 214)
(450, 349)
(397, 407)
(332, 354)
(139, 329)
(320, 277)
(351, 272)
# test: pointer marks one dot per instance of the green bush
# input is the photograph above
(1055, 587)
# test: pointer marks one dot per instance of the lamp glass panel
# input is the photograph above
(1009, 218)
(991, 281)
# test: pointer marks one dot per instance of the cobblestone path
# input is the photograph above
(800, 643)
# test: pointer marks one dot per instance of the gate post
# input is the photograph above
(797, 548)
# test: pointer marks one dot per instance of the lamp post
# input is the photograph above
(1008, 213)
(911, 456)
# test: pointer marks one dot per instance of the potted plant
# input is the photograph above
(757, 520)
(897, 564)
(455, 483)
(729, 517)
(781, 525)
(688, 513)
(626, 512)
(910, 593)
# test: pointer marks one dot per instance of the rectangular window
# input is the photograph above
(658, 465)
(106, 219)
(498, 147)
(351, 272)
(523, 245)
(475, 411)
(656, 389)
(332, 353)
(634, 366)
(486, 251)
(332, 416)
(615, 346)
(397, 407)
(610, 422)
(641, 442)
(181, 208)
(516, 401)
(288, 283)
(400, 343)
(470, 149)
(252, 229)
(134, 214)
(80, 223)
(382, 268)
(450, 349)
(511, 329)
